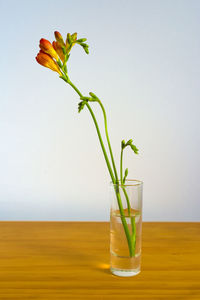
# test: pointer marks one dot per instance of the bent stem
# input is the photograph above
(108, 140)
(126, 229)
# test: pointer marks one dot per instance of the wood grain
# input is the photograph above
(70, 260)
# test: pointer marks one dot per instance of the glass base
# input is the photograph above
(124, 273)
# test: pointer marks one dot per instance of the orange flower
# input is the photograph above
(59, 50)
(59, 38)
(47, 61)
(47, 47)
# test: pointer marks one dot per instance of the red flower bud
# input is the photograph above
(47, 61)
(47, 47)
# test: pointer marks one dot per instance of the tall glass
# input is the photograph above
(126, 227)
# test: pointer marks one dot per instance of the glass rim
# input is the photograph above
(136, 183)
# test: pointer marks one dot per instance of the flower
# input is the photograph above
(59, 38)
(47, 47)
(47, 61)
(49, 57)
(59, 49)
(55, 55)
(62, 48)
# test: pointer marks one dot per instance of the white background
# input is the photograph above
(144, 64)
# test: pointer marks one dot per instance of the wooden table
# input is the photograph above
(70, 260)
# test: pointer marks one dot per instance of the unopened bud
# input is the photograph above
(69, 39)
(92, 95)
(81, 40)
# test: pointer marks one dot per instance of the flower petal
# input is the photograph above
(59, 50)
(47, 61)
(59, 38)
(47, 47)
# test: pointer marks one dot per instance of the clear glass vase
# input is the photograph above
(126, 228)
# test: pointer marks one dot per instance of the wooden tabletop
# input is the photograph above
(70, 260)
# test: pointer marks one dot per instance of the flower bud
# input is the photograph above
(59, 38)
(126, 172)
(134, 148)
(47, 61)
(74, 37)
(129, 142)
(47, 47)
(93, 95)
(69, 39)
(81, 40)
(59, 50)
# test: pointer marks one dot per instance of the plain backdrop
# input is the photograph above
(144, 64)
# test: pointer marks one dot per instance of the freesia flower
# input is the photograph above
(55, 56)
(58, 48)
(47, 61)
(59, 38)
(47, 47)
(64, 48)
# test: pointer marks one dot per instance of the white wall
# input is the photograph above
(144, 64)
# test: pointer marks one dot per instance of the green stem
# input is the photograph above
(126, 229)
(121, 178)
(130, 241)
(132, 245)
(121, 167)
(98, 132)
(133, 227)
(124, 222)
(101, 142)
(108, 140)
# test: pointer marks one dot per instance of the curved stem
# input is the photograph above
(108, 140)
(98, 132)
(131, 241)
(124, 222)
(101, 142)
